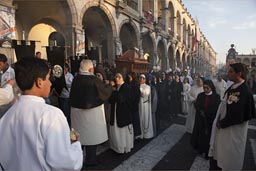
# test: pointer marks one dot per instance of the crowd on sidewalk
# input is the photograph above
(101, 104)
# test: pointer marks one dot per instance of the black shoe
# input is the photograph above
(93, 163)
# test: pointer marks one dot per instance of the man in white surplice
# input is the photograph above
(145, 109)
(229, 131)
(34, 135)
(221, 86)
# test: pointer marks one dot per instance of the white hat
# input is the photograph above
(142, 75)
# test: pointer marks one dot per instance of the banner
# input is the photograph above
(80, 44)
(23, 48)
(7, 24)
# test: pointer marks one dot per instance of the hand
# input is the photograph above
(106, 81)
(74, 136)
(11, 82)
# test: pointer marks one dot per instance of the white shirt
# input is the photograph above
(7, 75)
(68, 78)
(36, 136)
(221, 87)
(6, 94)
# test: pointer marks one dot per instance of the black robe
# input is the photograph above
(135, 95)
(176, 90)
(87, 91)
(203, 121)
(241, 111)
(123, 101)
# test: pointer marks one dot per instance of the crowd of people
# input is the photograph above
(101, 104)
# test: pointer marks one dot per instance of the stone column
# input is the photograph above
(140, 8)
(100, 53)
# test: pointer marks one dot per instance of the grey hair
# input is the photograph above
(85, 65)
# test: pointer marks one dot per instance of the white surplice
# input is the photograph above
(192, 95)
(36, 136)
(6, 94)
(227, 145)
(146, 122)
(90, 124)
(185, 102)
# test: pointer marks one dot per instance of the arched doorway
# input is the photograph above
(161, 56)
(43, 21)
(178, 59)
(147, 45)
(184, 63)
(171, 58)
(98, 35)
(128, 37)
(56, 39)
(45, 31)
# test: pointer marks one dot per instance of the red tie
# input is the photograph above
(206, 101)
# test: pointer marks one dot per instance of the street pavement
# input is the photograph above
(170, 150)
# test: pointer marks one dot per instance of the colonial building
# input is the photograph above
(162, 29)
(248, 59)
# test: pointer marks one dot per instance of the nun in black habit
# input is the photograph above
(206, 106)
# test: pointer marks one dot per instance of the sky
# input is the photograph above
(226, 22)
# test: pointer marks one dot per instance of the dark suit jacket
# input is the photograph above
(87, 91)
(123, 101)
(241, 111)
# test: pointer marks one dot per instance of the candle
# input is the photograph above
(23, 35)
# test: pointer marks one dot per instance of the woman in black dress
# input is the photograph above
(206, 106)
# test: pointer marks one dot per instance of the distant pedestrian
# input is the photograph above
(38, 55)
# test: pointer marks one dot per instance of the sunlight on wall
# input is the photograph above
(41, 32)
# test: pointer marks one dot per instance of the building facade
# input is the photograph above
(162, 29)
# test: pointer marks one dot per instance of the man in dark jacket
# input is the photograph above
(87, 97)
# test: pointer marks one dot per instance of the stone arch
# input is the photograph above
(178, 23)
(171, 18)
(103, 8)
(148, 46)
(246, 61)
(135, 28)
(184, 62)
(177, 58)
(253, 62)
(99, 36)
(171, 58)
(73, 10)
(161, 53)
(238, 60)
